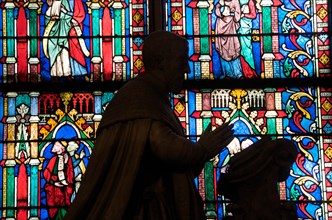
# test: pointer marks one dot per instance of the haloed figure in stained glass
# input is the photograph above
(63, 44)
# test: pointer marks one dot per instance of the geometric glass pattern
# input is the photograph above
(327, 128)
(329, 176)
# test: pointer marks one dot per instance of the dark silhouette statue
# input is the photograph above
(142, 166)
(251, 181)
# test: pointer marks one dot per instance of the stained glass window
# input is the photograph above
(37, 127)
(261, 64)
(258, 42)
(48, 47)
(70, 40)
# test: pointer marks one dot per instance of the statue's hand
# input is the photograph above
(214, 141)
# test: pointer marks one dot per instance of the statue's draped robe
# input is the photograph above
(142, 167)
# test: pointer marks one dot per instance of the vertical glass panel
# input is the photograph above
(267, 40)
(250, 39)
(40, 135)
(58, 41)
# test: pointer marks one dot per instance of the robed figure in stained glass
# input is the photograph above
(79, 164)
(63, 44)
(228, 47)
(248, 13)
(232, 19)
(59, 176)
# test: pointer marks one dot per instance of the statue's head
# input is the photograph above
(166, 55)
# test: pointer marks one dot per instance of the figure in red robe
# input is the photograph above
(59, 176)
